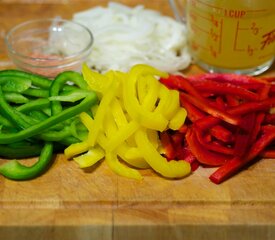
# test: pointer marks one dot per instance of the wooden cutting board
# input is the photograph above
(67, 203)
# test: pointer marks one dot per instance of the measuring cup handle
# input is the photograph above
(178, 9)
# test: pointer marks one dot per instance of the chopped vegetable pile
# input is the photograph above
(39, 115)
(229, 122)
(134, 106)
(126, 36)
(140, 119)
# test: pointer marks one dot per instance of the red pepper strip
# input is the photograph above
(264, 91)
(183, 129)
(177, 138)
(213, 146)
(257, 127)
(183, 151)
(222, 134)
(180, 83)
(226, 88)
(249, 107)
(240, 80)
(269, 79)
(234, 165)
(272, 89)
(189, 157)
(242, 109)
(232, 100)
(211, 110)
(269, 119)
(268, 154)
(203, 155)
(220, 102)
(243, 138)
(166, 142)
(195, 114)
(176, 148)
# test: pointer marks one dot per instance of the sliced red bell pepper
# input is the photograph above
(193, 112)
(226, 88)
(269, 153)
(243, 138)
(234, 120)
(167, 144)
(221, 133)
(203, 155)
(232, 101)
(180, 83)
(213, 145)
(242, 109)
(269, 119)
(240, 80)
(234, 165)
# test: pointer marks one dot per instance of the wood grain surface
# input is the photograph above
(67, 203)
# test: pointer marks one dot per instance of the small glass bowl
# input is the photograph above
(49, 46)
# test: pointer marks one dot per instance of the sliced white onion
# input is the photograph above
(125, 36)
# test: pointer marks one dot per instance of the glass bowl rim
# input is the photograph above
(23, 56)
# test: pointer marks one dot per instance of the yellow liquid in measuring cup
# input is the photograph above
(235, 34)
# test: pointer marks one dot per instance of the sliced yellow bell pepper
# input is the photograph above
(133, 107)
(132, 156)
(76, 149)
(96, 81)
(171, 169)
(103, 107)
(90, 158)
(121, 169)
(124, 133)
(146, 118)
(150, 100)
(179, 118)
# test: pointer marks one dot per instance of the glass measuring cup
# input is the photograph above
(235, 36)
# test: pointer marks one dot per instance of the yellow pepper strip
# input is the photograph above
(150, 100)
(132, 156)
(171, 169)
(121, 169)
(164, 99)
(90, 158)
(153, 138)
(118, 114)
(178, 120)
(142, 89)
(87, 120)
(172, 105)
(76, 149)
(95, 81)
(146, 118)
(123, 133)
(103, 107)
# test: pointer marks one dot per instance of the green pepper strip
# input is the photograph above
(14, 84)
(10, 113)
(36, 104)
(16, 171)
(16, 98)
(5, 122)
(57, 84)
(33, 92)
(10, 152)
(33, 130)
(36, 80)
